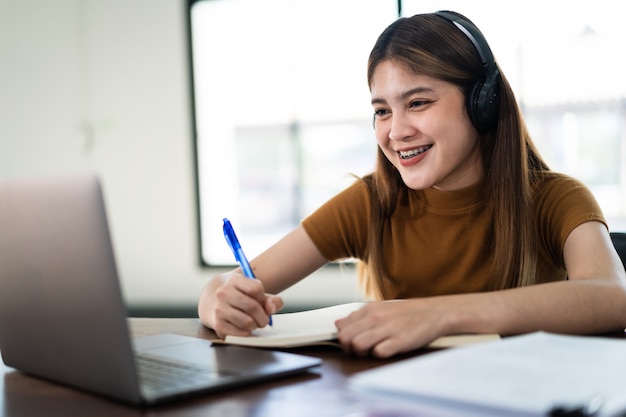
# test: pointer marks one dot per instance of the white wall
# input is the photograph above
(103, 86)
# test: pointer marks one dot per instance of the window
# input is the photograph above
(282, 105)
(282, 111)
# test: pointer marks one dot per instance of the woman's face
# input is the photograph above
(422, 127)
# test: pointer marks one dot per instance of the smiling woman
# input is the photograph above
(460, 228)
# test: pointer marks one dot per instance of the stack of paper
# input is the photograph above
(524, 375)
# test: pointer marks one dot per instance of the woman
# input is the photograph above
(461, 228)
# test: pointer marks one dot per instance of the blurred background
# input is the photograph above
(258, 110)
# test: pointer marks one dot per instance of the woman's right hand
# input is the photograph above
(232, 304)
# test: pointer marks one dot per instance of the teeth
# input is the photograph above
(414, 152)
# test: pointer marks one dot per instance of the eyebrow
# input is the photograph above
(405, 95)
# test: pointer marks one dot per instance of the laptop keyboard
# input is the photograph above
(162, 377)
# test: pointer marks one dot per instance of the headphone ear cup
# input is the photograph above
(483, 103)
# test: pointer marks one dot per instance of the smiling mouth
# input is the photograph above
(414, 152)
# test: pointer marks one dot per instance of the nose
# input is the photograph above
(401, 127)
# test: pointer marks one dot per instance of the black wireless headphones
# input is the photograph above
(483, 99)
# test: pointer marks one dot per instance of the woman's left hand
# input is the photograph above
(383, 329)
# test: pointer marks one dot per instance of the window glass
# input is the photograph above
(282, 111)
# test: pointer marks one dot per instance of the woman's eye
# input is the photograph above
(418, 103)
(380, 113)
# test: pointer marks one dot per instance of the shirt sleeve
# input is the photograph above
(562, 204)
(339, 228)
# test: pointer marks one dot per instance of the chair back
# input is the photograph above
(619, 241)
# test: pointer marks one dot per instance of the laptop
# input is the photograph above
(63, 317)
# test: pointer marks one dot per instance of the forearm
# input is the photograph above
(288, 261)
(574, 307)
(386, 328)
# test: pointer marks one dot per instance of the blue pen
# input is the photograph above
(235, 246)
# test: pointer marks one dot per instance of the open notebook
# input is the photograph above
(317, 327)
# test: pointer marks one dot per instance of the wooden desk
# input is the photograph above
(319, 393)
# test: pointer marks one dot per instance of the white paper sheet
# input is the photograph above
(523, 375)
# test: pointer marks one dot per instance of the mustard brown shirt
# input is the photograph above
(438, 243)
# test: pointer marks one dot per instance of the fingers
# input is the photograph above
(236, 305)
(361, 332)
(379, 342)
(273, 304)
(384, 329)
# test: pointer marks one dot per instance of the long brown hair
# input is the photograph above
(432, 46)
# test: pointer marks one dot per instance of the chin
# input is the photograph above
(416, 184)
